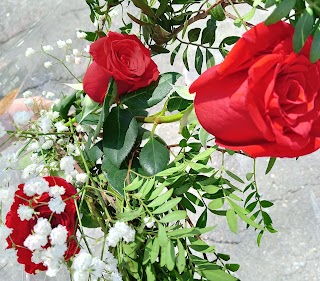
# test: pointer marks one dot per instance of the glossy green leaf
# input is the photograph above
(281, 11)
(303, 29)
(210, 61)
(88, 106)
(119, 135)
(315, 50)
(218, 13)
(185, 58)
(235, 177)
(270, 164)
(154, 157)
(153, 94)
(193, 34)
(174, 53)
(198, 60)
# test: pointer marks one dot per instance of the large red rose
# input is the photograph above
(263, 99)
(23, 228)
(122, 57)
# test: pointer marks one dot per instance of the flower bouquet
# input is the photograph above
(103, 195)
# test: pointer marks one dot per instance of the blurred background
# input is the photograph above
(291, 254)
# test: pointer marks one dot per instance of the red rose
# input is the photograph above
(124, 58)
(263, 99)
(23, 228)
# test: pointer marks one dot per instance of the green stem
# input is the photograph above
(160, 119)
(239, 16)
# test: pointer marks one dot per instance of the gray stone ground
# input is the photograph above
(292, 254)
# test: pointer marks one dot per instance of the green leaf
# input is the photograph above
(266, 204)
(154, 157)
(147, 187)
(188, 205)
(174, 53)
(174, 216)
(218, 13)
(189, 232)
(130, 215)
(155, 248)
(227, 41)
(315, 50)
(270, 164)
(88, 106)
(181, 258)
(141, 4)
(185, 57)
(242, 214)
(147, 251)
(162, 8)
(216, 275)
(204, 154)
(282, 10)
(209, 33)
(198, 60)
(256, 3)
(210, 61)
(173, 170)
(183, 91)
(153, 94)
(232, 221)
(162, 236)
(137, 182)
(116, 177)
(64, 105)
(151, 273)
(193, 34)
(194, 199)
(233, 267)
(167, 206)
(216, 204)
(119, 135)
(170, 256)
(161, 199)
(303, 29)
(202, 221)
(200, 246)
(235, 177)
(88, 219)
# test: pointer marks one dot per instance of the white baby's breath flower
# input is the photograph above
(60, 141)
(69, 178)
(149, 222)
(87, 49)
(45, 124)
(47, 64)
(42, 227)
(2, 130)
(70, 58)
(76, 53)
(81, 178)
(30, 52)
(22, 117)
(25, 212)
(35, 186)
(27, 94)
(59, 235)
(50, 95)
(61, 44)
(77, 60)
(29, 171)
(4, 232)
(120, 231)
(69, 42)
(61, 127)
(47, 145)
(67, 164)
(57, 205)
(36, 256)
(81, 34)
(35, 241)
(29, 103)
(56, 191)
(82, 261)
(47, 48)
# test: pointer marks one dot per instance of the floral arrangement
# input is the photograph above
(89, 162)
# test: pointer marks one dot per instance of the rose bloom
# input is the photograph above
(122, 57)
(23, 228)
(263, 99)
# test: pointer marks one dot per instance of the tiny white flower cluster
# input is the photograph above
(6, 255)
(53, 256)
(86, 266)
(22, 117)
(149, 222)
(119, 231)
